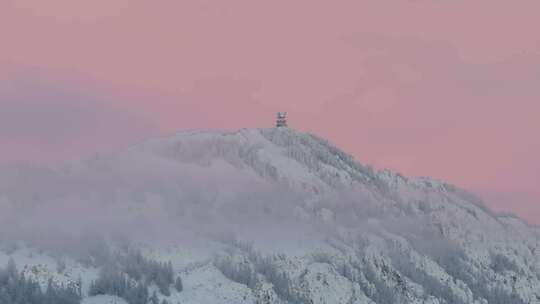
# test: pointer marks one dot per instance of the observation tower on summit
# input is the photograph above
(281, 121)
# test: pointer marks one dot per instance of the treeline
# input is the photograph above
(16, 289)
(479, 282)
(252, 271)
(384, 282)
(142, 269)
(251, 268)
(114, 282)
(129, 275)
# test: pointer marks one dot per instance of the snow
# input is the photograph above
(208, 285)
(103, 299)
(324, 285)
(314, 235)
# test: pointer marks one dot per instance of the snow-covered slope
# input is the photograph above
(275, 216)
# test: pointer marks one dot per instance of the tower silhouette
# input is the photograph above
(281, 120)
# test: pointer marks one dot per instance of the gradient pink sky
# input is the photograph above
(448, 89)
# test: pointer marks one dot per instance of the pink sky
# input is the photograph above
(444, 89)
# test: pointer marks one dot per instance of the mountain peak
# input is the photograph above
(274, 206)
(283, 154)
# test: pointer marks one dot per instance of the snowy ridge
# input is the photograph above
(296, 220)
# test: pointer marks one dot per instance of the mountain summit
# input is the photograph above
(259, 216)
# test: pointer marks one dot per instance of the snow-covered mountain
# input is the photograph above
(266, 216)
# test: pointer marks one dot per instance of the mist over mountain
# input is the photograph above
(256, 216)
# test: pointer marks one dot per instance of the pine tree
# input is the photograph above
(178, 284)
(15, 288)
(79, 286)
(154, 299)
(61, 266)
(11, 268)
(170, 272)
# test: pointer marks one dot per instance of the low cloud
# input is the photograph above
(45, 116)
